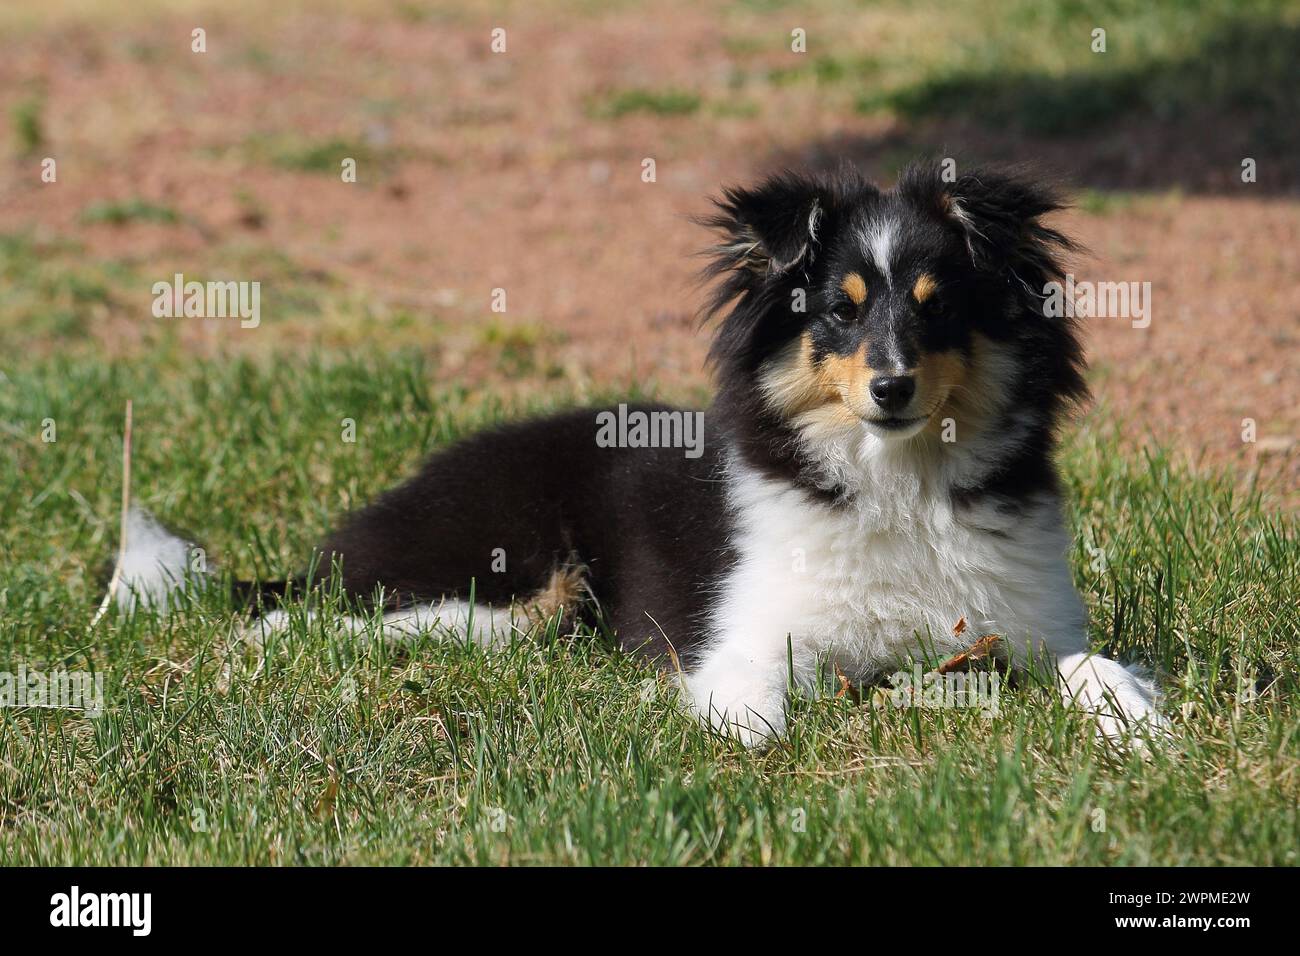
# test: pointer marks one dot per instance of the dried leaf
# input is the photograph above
(977, 651)
(959, 627)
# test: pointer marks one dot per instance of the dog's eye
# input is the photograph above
(843, 315)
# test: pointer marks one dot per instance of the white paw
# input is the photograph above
(749, 707)
(1123, 703)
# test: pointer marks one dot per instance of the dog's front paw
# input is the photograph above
(1122, 702)
(749, 707)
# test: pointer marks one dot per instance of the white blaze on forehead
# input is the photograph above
(878, 245)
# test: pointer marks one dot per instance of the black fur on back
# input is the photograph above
(647, 526)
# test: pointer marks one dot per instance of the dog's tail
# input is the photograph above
(156, 567)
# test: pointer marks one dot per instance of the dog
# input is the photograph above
(877, 464)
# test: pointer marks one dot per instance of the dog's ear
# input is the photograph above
(771, 228)
(998, 213)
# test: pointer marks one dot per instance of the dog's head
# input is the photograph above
(868, 316)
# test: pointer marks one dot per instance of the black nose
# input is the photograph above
(893, 392)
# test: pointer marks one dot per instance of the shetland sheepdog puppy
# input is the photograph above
(877, 465)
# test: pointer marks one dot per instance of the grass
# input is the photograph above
(518, 347)
(1031, 65)
(656, 102)
(51, 290)
(126, 211)
(58, 298)
(1100, 202)
(28, 125)
(336, 749)
(1234, 63)
(288, 152)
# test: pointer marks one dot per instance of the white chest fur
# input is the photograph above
(867, 586)
(870, 584)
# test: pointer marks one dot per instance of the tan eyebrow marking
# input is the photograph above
(924, 288)
(854, 287)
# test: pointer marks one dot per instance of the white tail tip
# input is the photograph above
(155, 567)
